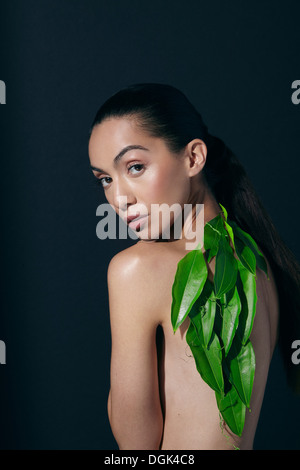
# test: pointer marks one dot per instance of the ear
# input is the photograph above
(195, 153)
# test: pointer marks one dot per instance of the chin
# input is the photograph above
(156, 234)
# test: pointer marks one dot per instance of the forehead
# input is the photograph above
(114, 134)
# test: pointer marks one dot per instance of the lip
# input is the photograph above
(129, 218)
(134, 222)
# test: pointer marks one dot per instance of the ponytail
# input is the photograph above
(232, 188)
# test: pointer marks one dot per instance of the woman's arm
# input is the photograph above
(134, 403)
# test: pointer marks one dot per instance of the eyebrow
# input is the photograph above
(120, 155)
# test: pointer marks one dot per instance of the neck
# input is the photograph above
(203, 207)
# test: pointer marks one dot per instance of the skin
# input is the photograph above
(157, 399)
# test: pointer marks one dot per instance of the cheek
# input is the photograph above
(167, 185)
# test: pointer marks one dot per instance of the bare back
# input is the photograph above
(191, 417)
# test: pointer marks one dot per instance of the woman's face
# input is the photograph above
(139, 174)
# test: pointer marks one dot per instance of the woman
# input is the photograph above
(149, 146)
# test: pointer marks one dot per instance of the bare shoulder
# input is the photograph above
(142, 261)
(141, 275)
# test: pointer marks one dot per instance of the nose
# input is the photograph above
(122, 195)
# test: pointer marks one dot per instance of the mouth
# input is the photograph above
(135, 222)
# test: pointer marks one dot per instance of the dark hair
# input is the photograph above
(164, 111)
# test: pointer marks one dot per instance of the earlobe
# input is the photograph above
(196, 154)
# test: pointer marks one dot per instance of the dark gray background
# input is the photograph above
(60, 60)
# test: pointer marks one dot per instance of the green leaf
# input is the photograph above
(231, 308)
(247, 291)
(208, 360)
(189, 280)
(225, 268)
(241, 364)
(227, 224)
(212, 233)
(233, 410)
(230, 232)
(246, 256)
(224, 211)
(203, 313)
(251, 243)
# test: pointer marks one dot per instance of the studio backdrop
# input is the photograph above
(238, 63)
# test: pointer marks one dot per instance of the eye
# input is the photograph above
(138, 166)
(106, 180)
(103, 181)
